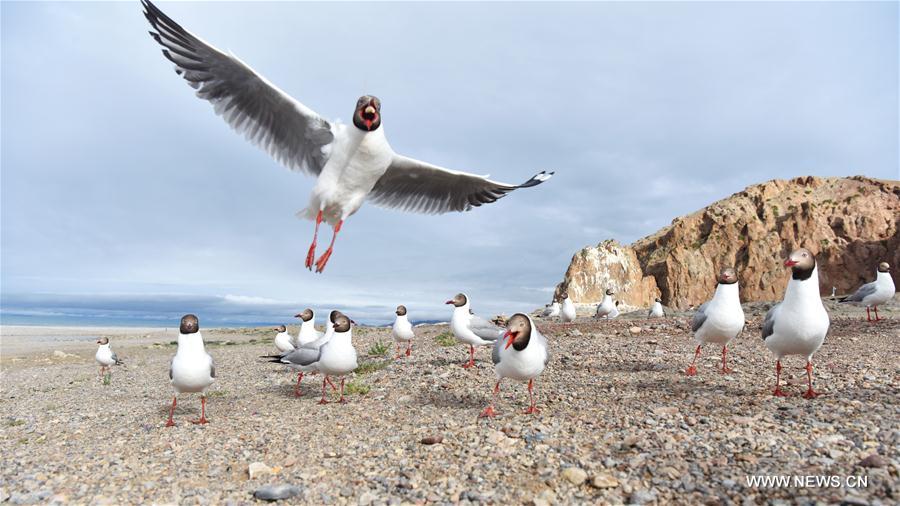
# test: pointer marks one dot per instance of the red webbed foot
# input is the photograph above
(488, 412)
(810, 394)
(200, 421)
(780, 393)
(532, 410)
(691, 371)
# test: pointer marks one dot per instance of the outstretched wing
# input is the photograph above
(289, 131)
(860, 294)
(420, 187)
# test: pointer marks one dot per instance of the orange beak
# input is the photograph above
(789, 263)
(511, 336)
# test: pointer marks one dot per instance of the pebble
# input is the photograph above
(873, 460)
(604, 481)
(276, 492)
(257, 469)
(575, 475)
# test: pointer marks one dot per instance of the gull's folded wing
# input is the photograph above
(420, 187)
(289, 131)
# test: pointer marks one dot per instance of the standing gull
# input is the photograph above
(105, 357)
(351, 163)
(607, 306)
(283, 340)
(338, 356)
(656, 310)
(192, 369)
(798, 324)
(567, 309)
(719, 320)
(305, 358)
(402, 331)
(524, 361)
(308, 332)
(877, 292)
(470, 328)
(552, 310)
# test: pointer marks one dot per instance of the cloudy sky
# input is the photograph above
(123, 194)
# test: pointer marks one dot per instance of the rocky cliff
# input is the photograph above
(850, 223)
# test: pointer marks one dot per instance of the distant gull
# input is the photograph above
(656, 310)
(520, 355)
(470, 328)
(192, 369)
(798, 324)
(283, 339)
(551, 311)
(719, 320)
(877, 292)
(606, 306)
(402, 331)
(105, 356)
(351, 163)
(567, 309)
(305, 357)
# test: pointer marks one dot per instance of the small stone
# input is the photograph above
(275, 492)
(873, 460)
(258, 469)
(432, 440)
(635, 330)
(604, 481)
(575, 475)
(641, 497)
(666, 410)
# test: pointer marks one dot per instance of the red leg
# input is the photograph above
(877, 318)
(398, 352)
(868, 315)
(471, 361)
(810, 394)
(320, 263)
(532, 409)
(489, 411)
(171, 423)
(409, 348)
(341, 400)
(202, 419)
(330, 383)
(323, 400)
(778, 391)
(297, 388)
(311, 255)
(725, 369)
(692, 369)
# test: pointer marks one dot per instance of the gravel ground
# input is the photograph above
(620, 423)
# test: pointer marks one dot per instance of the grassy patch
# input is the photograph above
(445, 339)
(15, 423)
(378, 349)
(356, 387)
(370, 366)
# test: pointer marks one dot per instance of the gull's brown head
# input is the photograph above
(459, 300)
(658, 300)
(802, 262)
(367, 115)
(103, 340)
(280, 328)
(190, 324)
(727, 276)
(518, 332)
(342, 323)
(610, 291)
(305, 315)
(401, 310)
(884, 267)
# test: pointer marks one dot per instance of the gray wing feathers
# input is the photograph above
(699, 317)
(170, 368)
(420, 187)
(768, 326)
(860, 294)
(212, 367)
(289, 131)
(302, 356)
(116, 359)
(495, 353)
(484, 329)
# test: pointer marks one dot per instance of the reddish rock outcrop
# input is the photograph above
(850, 223)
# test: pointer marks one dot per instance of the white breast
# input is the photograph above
(402, 329)
(522, 365)
(567, 311)
(338, 355)
(104, 355)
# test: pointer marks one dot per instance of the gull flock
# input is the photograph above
(797, 325)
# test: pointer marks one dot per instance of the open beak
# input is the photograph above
(790, 263)
(369, 109)
(510, 336)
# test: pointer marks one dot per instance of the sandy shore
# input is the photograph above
(620, 423)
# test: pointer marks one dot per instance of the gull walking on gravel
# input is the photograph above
(283, 340)
(551, 311)
(470, 328)
(876, 293)
(520, 355)
(567, 309)
(192, 368)
(656, 310)
(719, 320)
(105, 356)
(607, 306)
(305, 358)
(798, 324)
(402, 331)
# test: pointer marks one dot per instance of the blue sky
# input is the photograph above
(120, 188)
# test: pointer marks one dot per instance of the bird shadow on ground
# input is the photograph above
(452, 400)
(185, 407)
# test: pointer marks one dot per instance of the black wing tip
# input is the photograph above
(537, 179)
